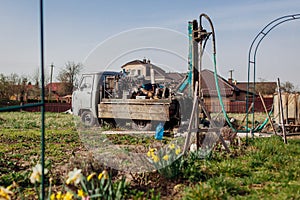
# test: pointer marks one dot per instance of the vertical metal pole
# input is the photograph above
(248, 109)
(42, 195)
(196, 92)
(190, 59)
(51, 73)
(200, 72)
(253, 97)
(281, 112)
(195, 57)
(196, 86)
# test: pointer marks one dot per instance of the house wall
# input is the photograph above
(136, 70)
(241, 97)
(144, 70)
(213, 104)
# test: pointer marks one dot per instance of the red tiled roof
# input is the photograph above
(209, 85)
(54, 86)
(135, 62)
(175, 76)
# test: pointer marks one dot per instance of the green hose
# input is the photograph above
(259, 128)
(219, 94)
(222, 104)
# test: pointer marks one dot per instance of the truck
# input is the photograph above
(116, 99)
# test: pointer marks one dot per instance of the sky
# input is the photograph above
(104, 35)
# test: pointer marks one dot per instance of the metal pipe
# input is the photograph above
(42, 102)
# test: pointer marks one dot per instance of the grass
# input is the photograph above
(20, 143)
(264, 169)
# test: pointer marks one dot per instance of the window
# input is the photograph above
(133, 72)
(147, 71)
(86, 83)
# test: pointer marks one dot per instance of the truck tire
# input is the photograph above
(141, 125)
(88, 118)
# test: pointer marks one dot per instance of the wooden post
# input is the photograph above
(195, 105)
(265, 108)
(281, 111)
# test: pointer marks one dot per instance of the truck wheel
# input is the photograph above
(88, 118)
(141, 125)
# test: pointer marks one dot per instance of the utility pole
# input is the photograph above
(51, 73)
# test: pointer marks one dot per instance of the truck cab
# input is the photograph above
(86, 98)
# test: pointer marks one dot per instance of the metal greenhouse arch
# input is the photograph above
(252, 57)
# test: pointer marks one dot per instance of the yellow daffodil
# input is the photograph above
(177, 151)
(155, 158)
(166, 157)
(149, 153)
(153, 149)
(59, 196)
(152, 154)
(81, 193)
(74, 177)
(103, 174)
(37, 173)
(91, 176)
(68, 196)
(5, 193)
(172, 146)
(52, 197)
(100, 176)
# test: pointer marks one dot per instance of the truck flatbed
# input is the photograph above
(139, 109)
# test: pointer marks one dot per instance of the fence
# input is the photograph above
(240, 106)
(50, 107)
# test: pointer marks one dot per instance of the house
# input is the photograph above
(234, 94)
(56, 91)
(142, 68)
(228, 91)
(176, 77)
(24, 92)
(267, 89)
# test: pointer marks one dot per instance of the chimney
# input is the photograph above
(230, 79)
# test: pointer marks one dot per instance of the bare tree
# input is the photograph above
(264, 87)
(12, 85)
(3, 87)
(288, 87)
(35, 77)
(68, 76)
